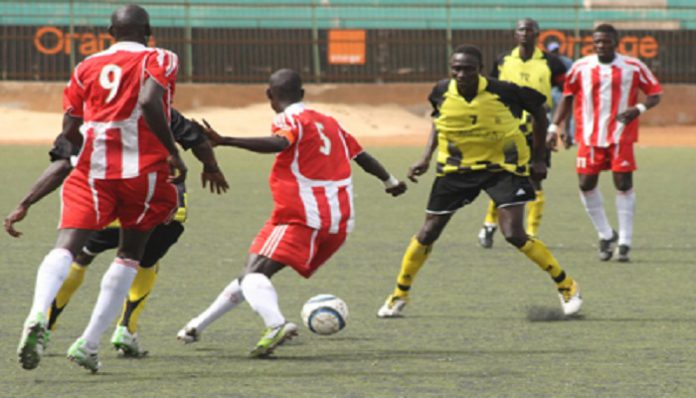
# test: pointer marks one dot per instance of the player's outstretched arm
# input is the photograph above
(373, 166)
(421, 167)
(271, 144)
(153, 111)
(189, 135)
(49, 180)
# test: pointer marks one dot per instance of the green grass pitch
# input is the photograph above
(480, 322)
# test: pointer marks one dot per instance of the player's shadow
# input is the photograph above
(548, 314)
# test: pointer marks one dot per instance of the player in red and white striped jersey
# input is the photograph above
(313, 195)
(118, 100)
(604, 88)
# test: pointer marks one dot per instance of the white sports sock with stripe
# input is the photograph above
(625, 208)
(594, 205)
(229, 298)
(114, 289)
(49, 278)
(262, 298)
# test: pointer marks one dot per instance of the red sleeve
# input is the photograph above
(571, 85)
(647, 82)
(73, 95)
(354, 148)
(284, 127)
(163, 66)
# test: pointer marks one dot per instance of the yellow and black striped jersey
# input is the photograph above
(482, 133)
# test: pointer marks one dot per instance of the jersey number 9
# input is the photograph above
(110, 79)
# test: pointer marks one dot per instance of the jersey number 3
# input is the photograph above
(325, 148)
(110, 79)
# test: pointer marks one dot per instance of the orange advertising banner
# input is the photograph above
(347, 47)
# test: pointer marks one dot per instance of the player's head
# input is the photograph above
(284, 89)
(130, 23)
(465, 65)
(605, 39)
(526, 32)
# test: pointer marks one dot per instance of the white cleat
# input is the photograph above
(571, 300)
(188, 335)
(393, 307)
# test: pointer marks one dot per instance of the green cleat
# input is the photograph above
(33, 341)
(126, 343)
(272, 338)
(81, 355)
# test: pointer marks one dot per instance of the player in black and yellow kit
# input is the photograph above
(528, 66)
(125, 339)
(480, 147)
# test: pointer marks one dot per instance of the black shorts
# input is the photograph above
(162, 238)
(455, 190)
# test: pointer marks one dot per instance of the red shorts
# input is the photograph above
(139, 203)
(303, 248)
(616, 157)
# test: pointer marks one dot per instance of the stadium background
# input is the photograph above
(373, 60)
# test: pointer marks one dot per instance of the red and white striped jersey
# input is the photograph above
(311, 179)
(104, 91)
(601, 92)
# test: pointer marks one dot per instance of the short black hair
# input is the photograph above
(532, 21)
(286, 84)
(608, 29)
(470, 50)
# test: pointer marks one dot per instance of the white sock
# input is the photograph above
(114, 289)
(262, 298)
(229, 298)
(625, 207)
(594, 205)
(49, 278)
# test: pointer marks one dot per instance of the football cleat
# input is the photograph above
(188, 335)
(32, 343)
(272, 338)
(126, 343)
(83, 356)
(485, 236)
(393, 307)
(622, 253)
(606, 246)
(571, 300)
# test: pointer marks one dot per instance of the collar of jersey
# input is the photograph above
(617, 59)
(295, 108)
(482, 84)
(127, 46)
(538, 54)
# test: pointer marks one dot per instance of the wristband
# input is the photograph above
(553, 128)
(391, 182)
(641, 108)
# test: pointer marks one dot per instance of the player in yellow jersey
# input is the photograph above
(125, 338)
(480, 147)
(528, 66)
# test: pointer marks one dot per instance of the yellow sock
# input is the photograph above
(537, 251)
(137, 296)
(71, 283)
(491, 214)
(535, 210)
(413, 260)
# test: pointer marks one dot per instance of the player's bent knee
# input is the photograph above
(517, 241)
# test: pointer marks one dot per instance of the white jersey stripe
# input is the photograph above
(334, 208)
(587, 107)
(605, 100)
(151, 183)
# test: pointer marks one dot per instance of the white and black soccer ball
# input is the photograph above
(325, 314)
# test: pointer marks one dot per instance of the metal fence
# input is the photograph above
(339, 40)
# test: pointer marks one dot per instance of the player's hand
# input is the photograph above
(17, 215)
(628, 115)
(418, 169)
(566, 139)
(213, 177)
(552, 141)
(177, 169)
(213, 136)
(538, 171)
(397, 190)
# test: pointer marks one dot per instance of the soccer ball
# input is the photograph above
(325, 314)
